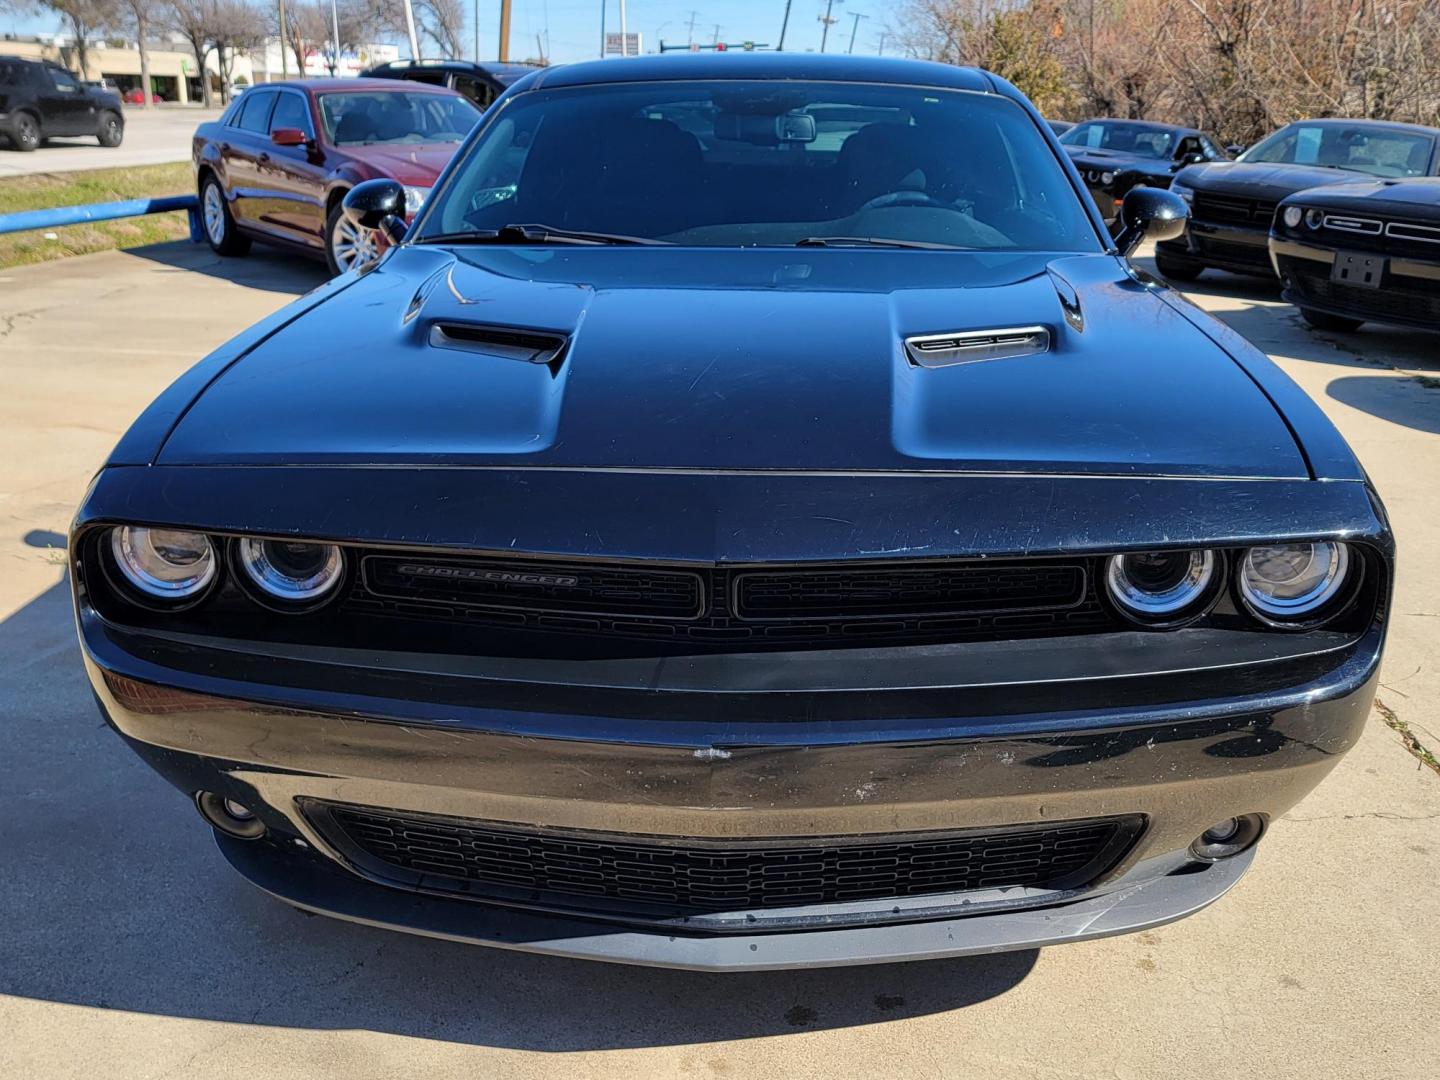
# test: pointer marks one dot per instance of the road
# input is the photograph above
(128, 949)
(151, 138)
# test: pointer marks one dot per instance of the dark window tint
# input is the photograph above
(8, 73)
(254, 112)
(1355, 148)
(477, 91)
(736, 163)
(63, 81)
(291, 111)
(396, 116)
(1119, 136)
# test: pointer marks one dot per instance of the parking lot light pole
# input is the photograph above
(410, 30)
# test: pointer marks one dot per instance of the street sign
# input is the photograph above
(634, 44)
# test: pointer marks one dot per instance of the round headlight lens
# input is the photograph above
(1288, 581)
(1159, 585)
(1314, 218)
(1292, 216)
(168, 563)
(291, 570)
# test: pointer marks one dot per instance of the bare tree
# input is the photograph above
(138, 16)
(193, 20)
(443, 22)
(84, 20)
(236, 26)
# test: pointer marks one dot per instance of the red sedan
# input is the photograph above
(275, 166)
(137, 97)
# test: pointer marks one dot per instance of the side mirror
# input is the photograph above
(1193, 158)
(1149, 213)
(1235, 149)
(289, 137)
(377, 204)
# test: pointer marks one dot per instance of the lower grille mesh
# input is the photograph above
(1377, 303)
(603, 873)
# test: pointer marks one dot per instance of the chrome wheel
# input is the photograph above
(214, 210)
(352, 246)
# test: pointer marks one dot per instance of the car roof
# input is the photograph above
(1157, 125)
(327, 86)
(1388, 125)
(809, 67)
(492, 67)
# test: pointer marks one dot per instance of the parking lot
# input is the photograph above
(129, 949)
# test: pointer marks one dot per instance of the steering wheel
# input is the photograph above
(905, 198)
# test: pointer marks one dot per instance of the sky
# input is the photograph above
(573, 26)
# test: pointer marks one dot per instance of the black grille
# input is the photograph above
(1405, 304)
(1257, 255)
(1234, 209)
(610, 874)
(740, 606)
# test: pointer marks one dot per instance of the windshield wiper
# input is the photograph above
(534, 234)
(874, 241)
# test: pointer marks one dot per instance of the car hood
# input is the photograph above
(410, 164)
(1418, 197)
(1087, 158)
(760, 359)
(1260, 181)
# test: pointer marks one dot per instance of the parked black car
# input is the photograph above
(1115, 155)
(481, 82)
(39, 99)
(1367, 251)
(756, 517)
(1233, 203)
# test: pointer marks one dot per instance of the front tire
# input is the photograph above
(25, 133)
(1177, 269)
(111, 132)
(220, 230)
(1323, 320)
(347, 246)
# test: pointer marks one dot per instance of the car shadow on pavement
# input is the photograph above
(113, 896)
(264, 268)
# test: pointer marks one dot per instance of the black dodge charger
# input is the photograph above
(755, 518)
(1233, 203)
(1351, 253)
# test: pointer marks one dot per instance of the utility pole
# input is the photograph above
(784, 23)
(504, 50)
(691, 39)
(475, 21)
(284, 48)
(603, 5)
(715, 38)
(410, 31)
(335, 29)
(883, 36)
(624, 38)
(828, 21)
(853, 27)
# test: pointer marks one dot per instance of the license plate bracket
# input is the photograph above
(1358, 269)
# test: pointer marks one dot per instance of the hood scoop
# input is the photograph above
(503, 343)
(973, 346)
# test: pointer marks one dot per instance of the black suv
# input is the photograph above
(39, 99)
(482, 83)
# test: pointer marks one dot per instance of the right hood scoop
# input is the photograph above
(502, 342)
(973, 346)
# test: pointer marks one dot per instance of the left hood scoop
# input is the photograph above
(501, 342)
(973, 346)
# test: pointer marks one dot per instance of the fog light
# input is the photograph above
(229, 816)
(1227, 838)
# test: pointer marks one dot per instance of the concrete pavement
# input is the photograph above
(155, 137)
(128, 949)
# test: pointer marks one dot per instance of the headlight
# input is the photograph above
(1160, 586)
(415, 198)
(167, 563)
(1188, 194)
(1292, 216)
(1314, 218)
(1290, 581)
(291, 571)
(1107, 178)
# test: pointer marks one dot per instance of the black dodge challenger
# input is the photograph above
(755, 518)
(1115, 155)
(1351, 253)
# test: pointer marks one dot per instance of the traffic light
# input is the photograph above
(720, 46)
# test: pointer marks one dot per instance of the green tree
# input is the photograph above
(1018, 49)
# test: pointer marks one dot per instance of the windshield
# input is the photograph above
(1139, 139)
(1358, 148)
(354, 118)
(736, 163)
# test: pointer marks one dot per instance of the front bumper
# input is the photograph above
(571, 763)
(1238, 249)
(1409, 294)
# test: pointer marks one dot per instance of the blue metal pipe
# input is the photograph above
(61, 216)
